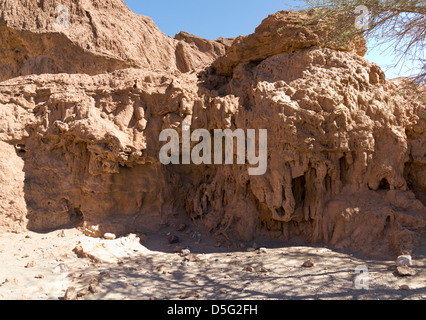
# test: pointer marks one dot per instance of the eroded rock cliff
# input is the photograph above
(82, 110)
(91, 37)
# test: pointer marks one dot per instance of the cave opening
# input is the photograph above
(76, 217)
(299, 191)
(384, 184)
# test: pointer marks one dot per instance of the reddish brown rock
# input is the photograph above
(282, 32)
(345, 151)
(406, 271)
(99, 37)
(193, 52)
(70, 294)
(308, 263)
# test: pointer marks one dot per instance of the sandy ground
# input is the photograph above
(43, 266)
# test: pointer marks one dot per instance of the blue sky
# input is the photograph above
(231, 18)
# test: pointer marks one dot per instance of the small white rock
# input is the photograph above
(262, 250)
(109, 236)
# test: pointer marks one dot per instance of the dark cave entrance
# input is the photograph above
(299, 191)
(384, 184)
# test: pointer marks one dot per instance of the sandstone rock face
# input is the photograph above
(415, 172)
(345, 159)
(98, 37)
(13, 209)
(193, 52)
(283, 32)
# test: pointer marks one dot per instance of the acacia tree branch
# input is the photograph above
(397, 23)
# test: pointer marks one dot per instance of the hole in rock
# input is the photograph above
(76, 216)
(299, 191)
(384, 184)
(388, 220)
(20, 150)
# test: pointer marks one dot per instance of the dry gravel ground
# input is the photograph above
(43, 266)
